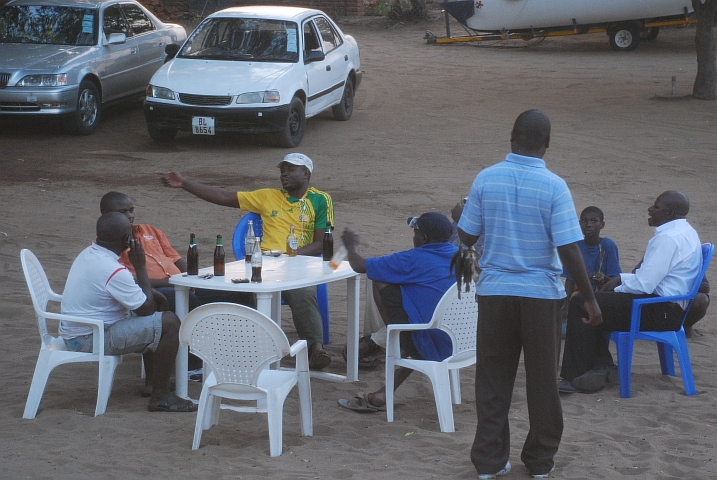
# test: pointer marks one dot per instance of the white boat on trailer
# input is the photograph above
(624, 21)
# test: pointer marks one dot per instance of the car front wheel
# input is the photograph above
(89, 107)
(344, 109)
(292, 133)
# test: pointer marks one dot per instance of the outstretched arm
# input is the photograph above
(351, 240)
(217, 195)
(573, 262)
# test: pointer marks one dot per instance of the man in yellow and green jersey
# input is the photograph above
(307, 208)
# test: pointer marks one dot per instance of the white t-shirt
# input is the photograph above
(98, 287)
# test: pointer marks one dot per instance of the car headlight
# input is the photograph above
(268, 96)
(57, 80)
(160, 92)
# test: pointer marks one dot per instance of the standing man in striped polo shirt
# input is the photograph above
(526, 215)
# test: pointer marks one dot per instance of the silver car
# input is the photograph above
(71, 57)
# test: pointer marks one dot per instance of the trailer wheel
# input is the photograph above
(649, 33)
(624, 37)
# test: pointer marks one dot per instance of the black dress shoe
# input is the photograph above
(590, 381)
(564, 386)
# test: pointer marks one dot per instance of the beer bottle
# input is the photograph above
(292, 243)
(256, 260)
(219, 258)
(249, 241)
(192, 256)
(328, 251)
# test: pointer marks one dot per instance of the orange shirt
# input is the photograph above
(159, 254)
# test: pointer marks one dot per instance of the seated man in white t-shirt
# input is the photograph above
(99, 287)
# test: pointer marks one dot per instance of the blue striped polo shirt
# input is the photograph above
(524, 212)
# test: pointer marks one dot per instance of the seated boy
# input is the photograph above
(599, 254)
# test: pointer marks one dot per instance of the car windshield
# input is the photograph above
(52, 25)
(243, 39)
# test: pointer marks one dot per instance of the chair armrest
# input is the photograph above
(297, 347)
(98, 328)
(674, 298)
(300, 350)
(401, 327)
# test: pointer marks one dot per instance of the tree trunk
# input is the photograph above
(706, 80)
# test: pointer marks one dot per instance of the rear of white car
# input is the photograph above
(255, 70)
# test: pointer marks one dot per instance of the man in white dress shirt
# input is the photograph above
(671, 263)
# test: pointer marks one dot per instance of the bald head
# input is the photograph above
(676, 201)
(111, 200)
(670, 205)
(112, 228)
(531, 134)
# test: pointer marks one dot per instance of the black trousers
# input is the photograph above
(507, 325)
(586, 348)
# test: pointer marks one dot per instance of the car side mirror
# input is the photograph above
(117, 39)
(314, 56)
(171, 50)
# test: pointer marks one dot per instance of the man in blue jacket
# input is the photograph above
(407, 286)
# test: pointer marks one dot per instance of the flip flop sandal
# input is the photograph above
(373, 355)
(360, 404)
(173, 403)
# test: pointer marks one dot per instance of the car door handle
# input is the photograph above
(133, 51)
(161, 44)
(346, 58)
(328, 68)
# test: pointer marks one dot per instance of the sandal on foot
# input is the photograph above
(370, 354)
(172, 403)
(361, 404)
(318, 358)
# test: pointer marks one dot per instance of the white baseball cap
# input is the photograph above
(298, 159)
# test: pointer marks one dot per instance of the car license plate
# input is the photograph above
(203, 125)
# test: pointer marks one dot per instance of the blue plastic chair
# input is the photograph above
(666, 341)
(322, 291)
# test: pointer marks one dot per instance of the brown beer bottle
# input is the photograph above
(256, 261)
(192, 256)
(328, 251)
(219, 258)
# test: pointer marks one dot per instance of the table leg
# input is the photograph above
(263, 304)
(353, 285)
(181, 309)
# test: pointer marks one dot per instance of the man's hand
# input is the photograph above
(136, 254)
(594, 314)
(350, 239)
(611, 284)
(457, 211)
(170, 179)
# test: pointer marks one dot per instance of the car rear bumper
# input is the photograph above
(244, 120)
(32, 101)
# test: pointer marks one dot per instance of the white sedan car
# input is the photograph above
(69, 57)
(255, 69)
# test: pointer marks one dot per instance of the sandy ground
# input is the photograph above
(427, 120)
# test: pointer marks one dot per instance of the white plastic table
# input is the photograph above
(278, 274)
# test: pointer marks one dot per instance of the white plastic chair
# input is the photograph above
(459, 319)
(238, 346)
(53, 351)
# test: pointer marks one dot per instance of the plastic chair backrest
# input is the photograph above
(240, 232)
(236, 341)
(458, 317)
(40, 290)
